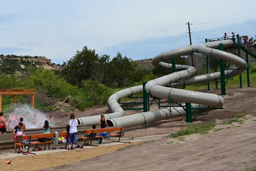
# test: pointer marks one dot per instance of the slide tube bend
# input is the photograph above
(157, 88)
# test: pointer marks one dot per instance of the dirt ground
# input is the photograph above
(229, 147)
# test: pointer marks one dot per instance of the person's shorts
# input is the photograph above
(3, 129)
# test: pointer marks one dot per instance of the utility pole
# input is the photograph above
(190, 41)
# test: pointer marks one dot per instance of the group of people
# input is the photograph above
(249, 43)
(245, 40)
(233, 36)
(71, 129)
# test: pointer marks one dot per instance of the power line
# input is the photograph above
(195, 35)
(179, 39)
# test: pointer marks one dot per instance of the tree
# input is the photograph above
(80, 67)
(46, 81)
(101, 69)
(120, 68)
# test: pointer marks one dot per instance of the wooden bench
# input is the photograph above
(34, 139)
(113, 132)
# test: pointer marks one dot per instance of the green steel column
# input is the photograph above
(188, 113)
(239, 54)
(222, 73)
(145, 98)
(208, 71)
(173, 65)
(247, 71)
(241, 81)
(207, 68)
(215, 70)
(159, 103)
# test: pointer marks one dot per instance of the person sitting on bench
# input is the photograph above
(92, 135)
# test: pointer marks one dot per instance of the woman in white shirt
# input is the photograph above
(72, 136)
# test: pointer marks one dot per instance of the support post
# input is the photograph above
(222, 72)
(14, 102)
(145, 98)
(247, 70)
(33, 101)
(188, 113)
(173, 65)
(190, 42)
(215, 70)
(208, 69)
(239, 54)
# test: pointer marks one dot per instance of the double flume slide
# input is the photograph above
(157, 87)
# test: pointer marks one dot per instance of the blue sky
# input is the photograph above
(137, 29)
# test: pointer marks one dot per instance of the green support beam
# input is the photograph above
(247, 70)
(145, 98)
(239, 54)
(215, 70)
(208, 69)
(173, 65)
(222, 72)
(188, 113)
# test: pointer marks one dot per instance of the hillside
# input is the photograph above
(12, 63)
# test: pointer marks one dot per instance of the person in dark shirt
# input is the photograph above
(103, 123)
(16, 132)
(92, 134)
(86, 142)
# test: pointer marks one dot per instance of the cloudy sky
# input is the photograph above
(138, 29)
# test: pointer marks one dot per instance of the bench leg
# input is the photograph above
(29, 147)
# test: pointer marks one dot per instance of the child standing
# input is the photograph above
(15, 133)
(72, 136)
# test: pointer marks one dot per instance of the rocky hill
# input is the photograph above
(12, 63)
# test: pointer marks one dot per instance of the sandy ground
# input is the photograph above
(232, 148)
(229, 147)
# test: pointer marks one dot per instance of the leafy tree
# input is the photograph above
(80, 67)
(96, 92)
(100, 72)
(46, 81)
(120, 70)
(9, 81)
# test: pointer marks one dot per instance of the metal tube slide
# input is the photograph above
(113, 105)
(157, 87)
(152, 116)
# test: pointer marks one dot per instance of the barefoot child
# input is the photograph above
(16, 132)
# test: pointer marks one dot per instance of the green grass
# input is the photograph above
(237, 120)
(197, 129)
(217, 129)
(181, 138)
(251, 169)
(240, 115)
